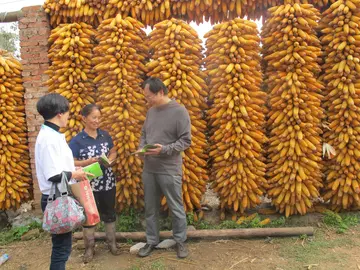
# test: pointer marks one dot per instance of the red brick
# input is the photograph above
(31, 128)
(32, 139)
(45, 32)
(27, 19)
(27, 79)
(37, 83)
(30, 55)
(30, 42)
(27, 84)
(24, 61)
(23, 25)
(40, 59)
(39, 24)
(31, 67)
(41, 36)
(43, 42)
(26, 73)
(28, 32)
(32, 8)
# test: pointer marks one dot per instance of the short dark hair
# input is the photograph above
(155, 85)
(51, 105)
(89, 108)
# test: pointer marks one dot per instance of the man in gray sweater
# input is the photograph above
(167, 126)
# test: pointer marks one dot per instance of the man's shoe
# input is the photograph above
(146, 250)
(181, 250)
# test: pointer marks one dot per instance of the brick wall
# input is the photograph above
(34, 29)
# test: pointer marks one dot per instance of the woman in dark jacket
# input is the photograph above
(87, 147)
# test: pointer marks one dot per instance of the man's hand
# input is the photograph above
(154, 152)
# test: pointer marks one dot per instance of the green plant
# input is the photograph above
(129, 241)
(280, 222)
(158, 265)
(340, 222)
(165, 224)
(190, 219)
(203, 225)
(14, 234)
(128, 221)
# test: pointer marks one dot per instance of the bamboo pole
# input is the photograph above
(6, 17)
(213, 234)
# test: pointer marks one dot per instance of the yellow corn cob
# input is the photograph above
(70, 73)
(15, 171)
(119, 65)
(291, 50)
(176, 60)
(237, 114)
(339, 28)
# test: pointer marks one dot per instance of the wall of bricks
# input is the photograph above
(34, 29)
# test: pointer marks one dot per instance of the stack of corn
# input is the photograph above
(237, 114)
(147, 11)
(292, 51)
(71, 72)
(69, 11)
(15, 172)
(340, 28)
(119, 60)
(177, 59)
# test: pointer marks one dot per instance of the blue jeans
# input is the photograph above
(61, 244)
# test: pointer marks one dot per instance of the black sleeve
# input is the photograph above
(57, 178)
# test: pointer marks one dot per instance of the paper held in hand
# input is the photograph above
(144, 149)
(103, 159)
(94, 169)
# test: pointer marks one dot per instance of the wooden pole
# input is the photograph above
(6, 17)
(213, 234)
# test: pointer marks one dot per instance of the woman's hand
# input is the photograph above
(92, 160)
(80, 175)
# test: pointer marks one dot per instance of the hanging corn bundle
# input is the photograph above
(120, 58)
(291, 50)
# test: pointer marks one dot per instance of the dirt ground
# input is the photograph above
(325, 251)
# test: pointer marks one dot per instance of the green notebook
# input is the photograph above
(105, 161)
(144, 149)
(94, 169)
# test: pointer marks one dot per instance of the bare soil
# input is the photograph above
(325, 251)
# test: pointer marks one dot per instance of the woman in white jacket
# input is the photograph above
(53, 157)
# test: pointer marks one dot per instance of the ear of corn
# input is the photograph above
(176, 60)
(70, 73)
(119, 60)
(15, 171)
(151, 12)
(70, 11)
(237, 114)
(291, 50)
(340, 38)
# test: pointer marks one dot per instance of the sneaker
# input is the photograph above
(181, 250)
(146, 250)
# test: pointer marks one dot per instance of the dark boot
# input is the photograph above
(89, 240)
(181, 250)
(111, 238)
(146, 250)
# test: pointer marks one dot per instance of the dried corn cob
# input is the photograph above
(71, 72)
(15, 172)
(177, 58)
(291, 50)
(340, 28)
(119, 61)
(237, 115)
